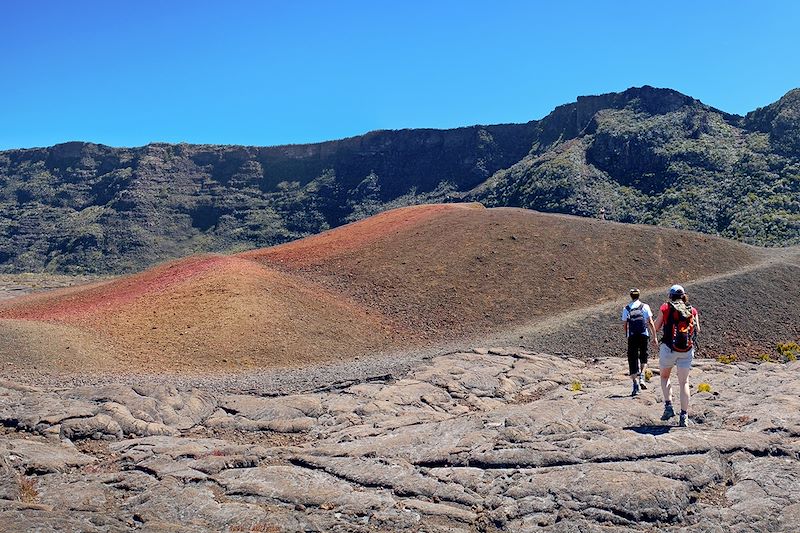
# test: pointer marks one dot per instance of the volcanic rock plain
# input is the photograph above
(334, 384)
(486, 440)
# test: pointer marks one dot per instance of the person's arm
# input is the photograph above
(625, 320)
(659, 320)
(653, 331)
(696, 317)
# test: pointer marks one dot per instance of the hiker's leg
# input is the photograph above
(666, 386)
(633, 358)
(683, 381)
(643, 342)
(684, 367)
(643, 354)
(665, 364)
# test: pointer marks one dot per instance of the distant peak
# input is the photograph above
(793, 95)
(781, 120)
(649, 90)
(567, 121)
(653, 100)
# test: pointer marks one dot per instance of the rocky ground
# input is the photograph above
(15, 285)
(488, 440)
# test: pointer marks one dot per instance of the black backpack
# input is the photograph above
(679, 327)
(637, 325)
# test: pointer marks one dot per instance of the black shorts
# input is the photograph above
(637, 352)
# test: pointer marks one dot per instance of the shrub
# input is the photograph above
(704, 387)
(726, 359)
(789, 350)
(27, 489)
(765, 357)
(258, 527)
(576, 386)
(648, 375)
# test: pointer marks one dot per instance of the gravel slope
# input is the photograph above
(374, 296)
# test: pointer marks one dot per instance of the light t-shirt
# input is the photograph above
(645, 311)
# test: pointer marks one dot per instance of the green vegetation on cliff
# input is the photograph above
(645, 155)
(682, 164)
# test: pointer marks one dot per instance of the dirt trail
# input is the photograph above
(650, 294)
(576, 331)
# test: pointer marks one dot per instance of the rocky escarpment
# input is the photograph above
(658, 157)
(110, 209)
(644, 155)
(489, 440)
(781, 121)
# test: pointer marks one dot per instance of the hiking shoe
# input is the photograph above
(635, 390)
(684, 420)
(642, 385)
(669, 412)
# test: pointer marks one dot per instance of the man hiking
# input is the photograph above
(681, 325)
(637, 321)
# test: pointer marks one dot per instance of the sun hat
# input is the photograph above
(676, 291)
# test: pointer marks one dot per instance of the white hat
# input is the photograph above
(676, 291)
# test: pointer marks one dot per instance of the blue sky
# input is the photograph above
(126, 73)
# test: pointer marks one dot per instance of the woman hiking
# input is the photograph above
(680, 323)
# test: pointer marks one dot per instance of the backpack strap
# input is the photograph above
(629, 308)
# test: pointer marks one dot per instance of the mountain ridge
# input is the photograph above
(580, 99)
(637, 155)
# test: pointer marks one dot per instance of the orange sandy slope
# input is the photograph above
(209, 312)
(405, 278)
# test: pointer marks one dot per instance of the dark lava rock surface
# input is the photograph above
(490, 440)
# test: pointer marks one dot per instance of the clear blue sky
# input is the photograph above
(126, 73)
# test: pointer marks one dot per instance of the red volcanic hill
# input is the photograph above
(196, 314)
(452, 269)
(407, 278)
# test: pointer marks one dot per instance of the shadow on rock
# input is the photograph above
(649, 430)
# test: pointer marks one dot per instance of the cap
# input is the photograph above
(676, 291)
(635, 291)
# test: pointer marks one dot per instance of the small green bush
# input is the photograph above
(704, 387)
(726, 359)
(789, 351)
(576, 386)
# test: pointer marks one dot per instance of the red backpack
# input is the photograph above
(679, 326)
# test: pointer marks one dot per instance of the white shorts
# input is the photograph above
(667, 358)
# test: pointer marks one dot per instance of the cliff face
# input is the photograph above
(643, 155)
(656, 156)
(80, 206)
(781, 121)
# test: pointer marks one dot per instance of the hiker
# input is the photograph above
(637, 321)
(681, 325)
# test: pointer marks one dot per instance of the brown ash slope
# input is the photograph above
(644, 155)
(410, 279)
